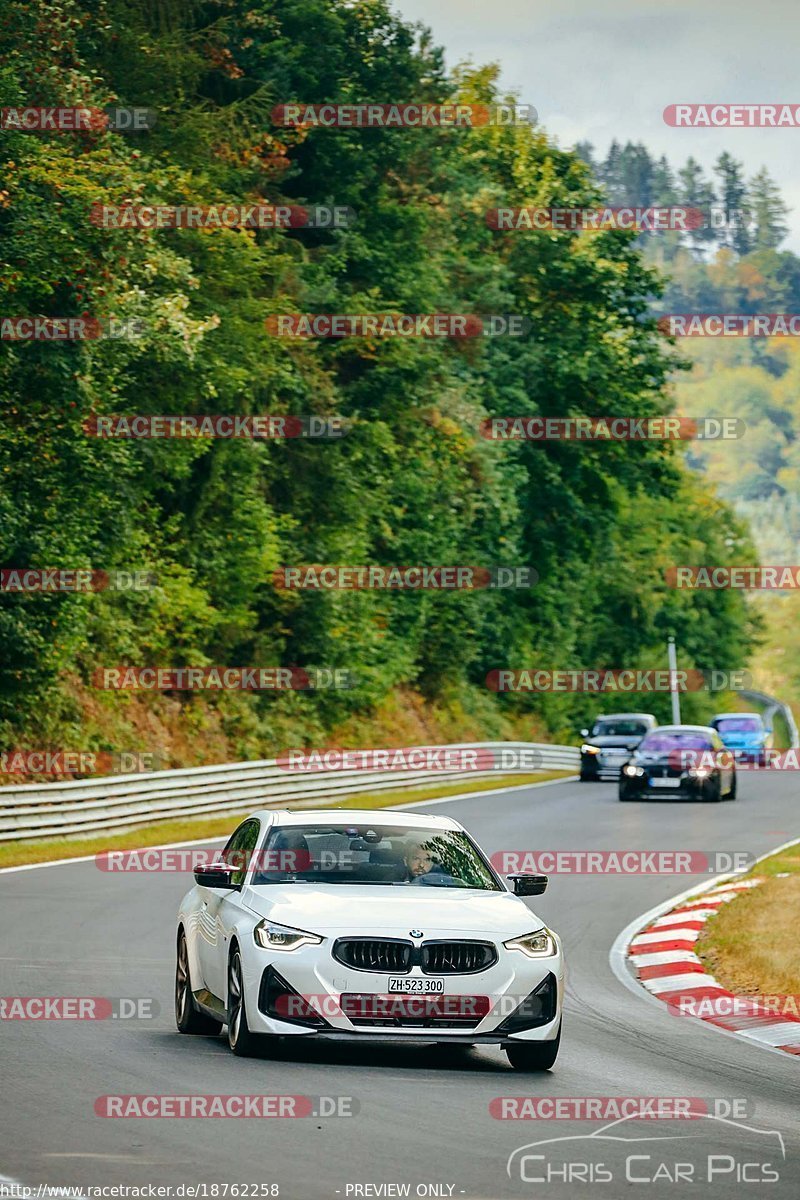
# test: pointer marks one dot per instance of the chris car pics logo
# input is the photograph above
(731, 1152)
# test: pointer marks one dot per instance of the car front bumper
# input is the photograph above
(324, 984)
(687, 788)
(605, 765)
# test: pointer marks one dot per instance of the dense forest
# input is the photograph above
(734, 262)
(731, 263)
(412, 481)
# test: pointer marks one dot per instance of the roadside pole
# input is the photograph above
(673, 682)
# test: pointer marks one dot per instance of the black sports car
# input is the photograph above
(687, 762)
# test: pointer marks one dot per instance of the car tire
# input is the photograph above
(588, 778)
(624, 795)
(241, 1040)
(714, 792)
(188, 1017)
(533, 1056)
(732, 793)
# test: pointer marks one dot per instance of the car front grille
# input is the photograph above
(395, 956)
(374, 954)
(456, 958)
(663, 771)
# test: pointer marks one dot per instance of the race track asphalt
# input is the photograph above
(423, 1116)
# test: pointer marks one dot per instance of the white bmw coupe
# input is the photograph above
(359, 925)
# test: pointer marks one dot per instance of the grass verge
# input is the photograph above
(16, 854)
(750, 945)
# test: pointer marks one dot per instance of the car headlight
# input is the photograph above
(587, 749)
(272, 936)
(630, 769)
(539, 944)
(698, 772)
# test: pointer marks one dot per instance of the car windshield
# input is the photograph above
(664, 742)
(619, 729)
(391, 855)
(738, 725)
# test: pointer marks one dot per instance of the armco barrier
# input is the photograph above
(113, 803)
(771, 706)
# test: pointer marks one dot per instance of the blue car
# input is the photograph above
(745, 734)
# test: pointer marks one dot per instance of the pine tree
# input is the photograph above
(734, 200)
(665, 190)
(585, 151)
(768, 211)
(636, 175)
(609, 173)
(695, 191)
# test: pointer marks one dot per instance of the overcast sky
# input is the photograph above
(598, 70)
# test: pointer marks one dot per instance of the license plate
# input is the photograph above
(416, 986)
(666, 782)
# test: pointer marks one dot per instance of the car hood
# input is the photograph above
(738, 741)
(392, 910)
(661, 758)
(622, 743)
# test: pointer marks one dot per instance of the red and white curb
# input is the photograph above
(663, 954)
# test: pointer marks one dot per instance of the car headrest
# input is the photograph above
(289, 840)
(383, 855)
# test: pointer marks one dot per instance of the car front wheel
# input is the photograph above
(533, 1056)
(188, 1018)
(714, 790)
(240, 1039)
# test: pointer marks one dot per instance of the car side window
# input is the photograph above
(239, 849)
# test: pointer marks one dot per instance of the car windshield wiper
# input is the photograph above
(278, 882)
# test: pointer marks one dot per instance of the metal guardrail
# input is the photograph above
(114, 803)
(771, 705)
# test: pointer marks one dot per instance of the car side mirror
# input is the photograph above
(584, 733)
(528, 885)
(215, 875)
